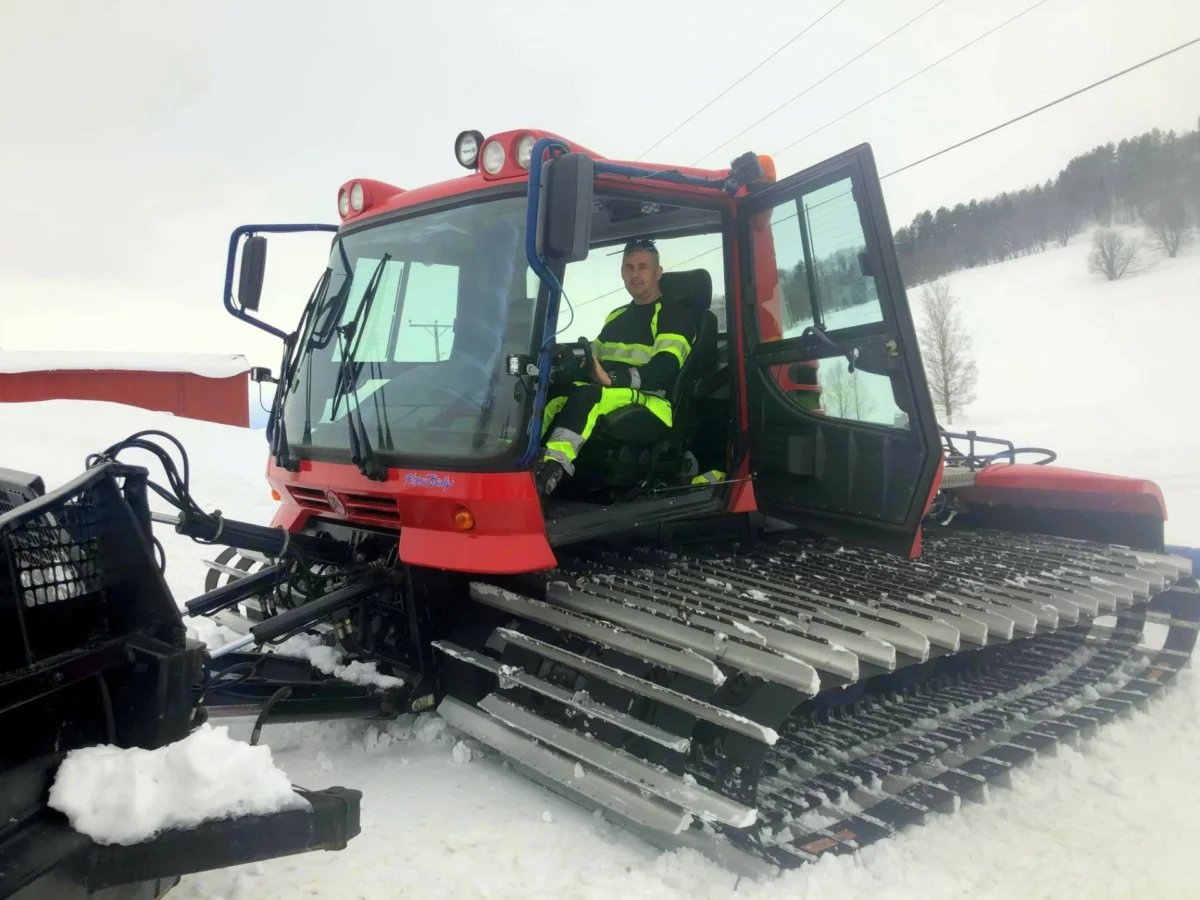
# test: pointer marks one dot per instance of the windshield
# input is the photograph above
(453, 299)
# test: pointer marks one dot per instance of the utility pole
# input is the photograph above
(436, 330)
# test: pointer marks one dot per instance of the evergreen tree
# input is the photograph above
(1151, 179)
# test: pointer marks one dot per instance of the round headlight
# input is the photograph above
(356, 196)
(493, 157)
(343, 202)
(466, 148)
(524, 150)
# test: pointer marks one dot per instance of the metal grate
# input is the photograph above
(77, 572)
(54, 574)
(57, 557)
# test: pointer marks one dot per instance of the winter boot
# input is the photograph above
(549, 473)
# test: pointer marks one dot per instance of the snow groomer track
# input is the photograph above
(770, 704)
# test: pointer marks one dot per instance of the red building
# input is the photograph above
(213, 388)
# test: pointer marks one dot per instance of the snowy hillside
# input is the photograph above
(1094, 370)
(1099, 371)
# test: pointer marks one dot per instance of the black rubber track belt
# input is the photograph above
(1087, 686)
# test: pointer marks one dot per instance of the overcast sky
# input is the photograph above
(136, 135)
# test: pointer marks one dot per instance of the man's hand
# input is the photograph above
(599, 375)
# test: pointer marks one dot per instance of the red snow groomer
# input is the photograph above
(790, 621)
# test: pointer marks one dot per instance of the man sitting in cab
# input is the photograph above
(635, 359)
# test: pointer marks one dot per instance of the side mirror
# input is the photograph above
(250, 278)
(564, 216)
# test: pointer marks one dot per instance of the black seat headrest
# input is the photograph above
(692, 288)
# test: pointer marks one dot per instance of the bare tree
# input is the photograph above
(1064, 221)
(946, 349)
(844, 395)
(1167, 220)
(1112, 254)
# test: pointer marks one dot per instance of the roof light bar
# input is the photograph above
(466, 148)
(493, 157)
(523, 150)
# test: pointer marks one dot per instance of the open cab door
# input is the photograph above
(843, 437)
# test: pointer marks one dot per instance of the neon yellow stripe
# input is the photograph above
(634, 354)
(674, 344)
(618, 345)
(553, 408)
(640, 354)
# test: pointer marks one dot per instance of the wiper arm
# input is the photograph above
(383, 429)
(351, 339)
(277, 428)
(315, 301)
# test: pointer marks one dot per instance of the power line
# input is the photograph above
(815, 84)
(436, 330)
(900, 84)
(962, 143)
(682, 262)
(618, 290)
(762, 63)
(1046, 106)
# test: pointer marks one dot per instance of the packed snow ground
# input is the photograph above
(1096, 371)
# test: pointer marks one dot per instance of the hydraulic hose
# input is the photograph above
(296, 620)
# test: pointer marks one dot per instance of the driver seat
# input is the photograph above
(631, 445)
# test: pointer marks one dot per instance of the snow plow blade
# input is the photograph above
(48, 859)
(93, 651)
(777, 700)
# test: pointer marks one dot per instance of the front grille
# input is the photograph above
(360, 507)
(364, 506)
(310, 498)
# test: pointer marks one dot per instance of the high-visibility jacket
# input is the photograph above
(644, 345)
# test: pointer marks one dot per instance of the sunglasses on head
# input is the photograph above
(641, 244)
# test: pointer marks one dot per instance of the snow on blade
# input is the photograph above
(117, 796)
(328, 660)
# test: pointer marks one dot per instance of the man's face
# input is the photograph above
(641, 275)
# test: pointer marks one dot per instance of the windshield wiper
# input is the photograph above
(351, 339)
(276, 426)
(315, 302)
